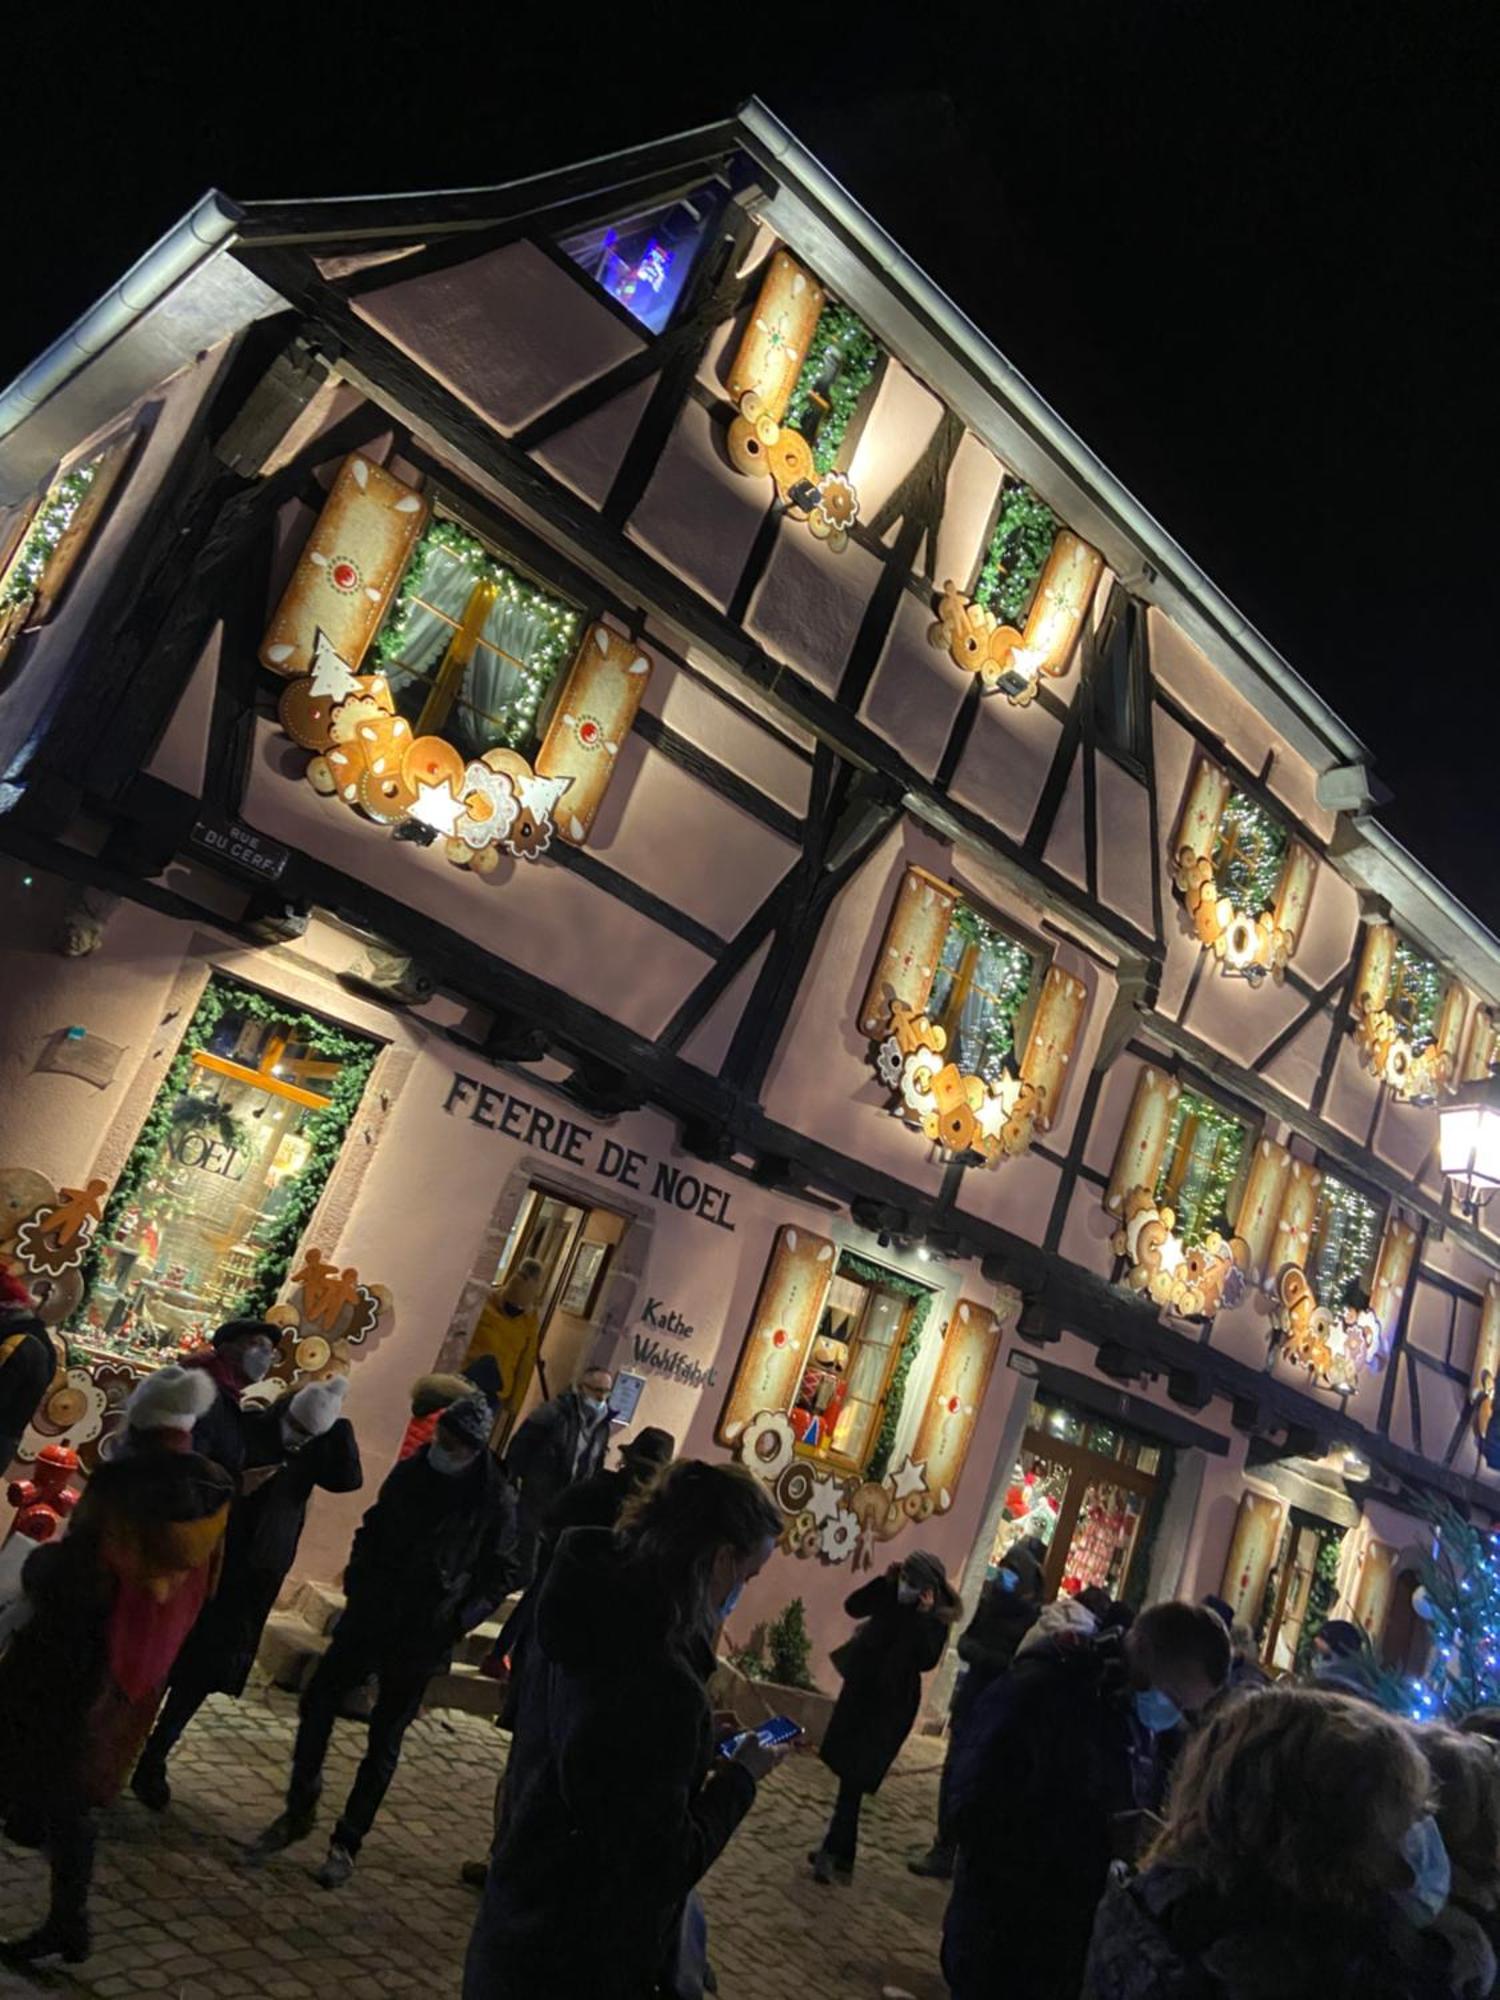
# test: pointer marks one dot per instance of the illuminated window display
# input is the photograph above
(1090, 1491)
(854, 1369)
(210, 1205)
(1345, 1238)
(644, 262)
(839, 368)
(983, 982)
(1200, 1167)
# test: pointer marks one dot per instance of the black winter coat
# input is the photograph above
(615, 1802)
(219, 1433)
(1050, 1759)
(432, 1559)
(1168, 1936)
(987, 1645)
(265, 1526)
(542, 1452)
(27, 1365)
(882, 1665)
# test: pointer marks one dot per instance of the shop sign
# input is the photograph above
(530, 1125)
(247, 849)
(659, 1356)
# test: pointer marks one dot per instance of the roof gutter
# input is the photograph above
(1164, 555)
(1370, 855)
(200, 235)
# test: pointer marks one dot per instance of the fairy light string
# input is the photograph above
(1017, 554)
(53, 519)
(840, 366)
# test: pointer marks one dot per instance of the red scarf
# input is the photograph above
(222, 1368)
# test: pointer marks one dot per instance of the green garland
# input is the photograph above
(1322, 1594)
(1009, 977)
(557, 644)
(921, 1296)
(1202, 1201)
(52, 521)
(1417, 987)
(1249, 855)
(1017, 554)
(842, 333)
(1347, 1228)
(324, 1129)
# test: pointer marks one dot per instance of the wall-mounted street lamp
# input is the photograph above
(1469, 1143)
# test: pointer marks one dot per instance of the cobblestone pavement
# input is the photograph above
(177, 1914)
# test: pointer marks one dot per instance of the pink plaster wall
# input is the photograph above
(180, 756)
(974, 481)
(1126, 863)
(808, 605)
(1067, 845)
(698, 515)
(1298, 1066)
(1331, 929)
(1352, 1093)
(708, 1044)
(1087, 1231)
(1406, 1135)
(915, 691)
(588, 454)
(727, 732)
(899, 429)
(509, 333)
(1237, 1018)
(1006, 761)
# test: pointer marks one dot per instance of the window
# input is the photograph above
(870, 1318)
(1120, 697)
(55, 536)
(1416, 995)
(211, 1203)
(1249, 854)
(839, 368)
(1345, 1239)
(1245, 881)
(1200, 1166)
(471, 647)
(1024, 533)
(984, 979)
(644, 262)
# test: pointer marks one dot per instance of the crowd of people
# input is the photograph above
(1128, 1809)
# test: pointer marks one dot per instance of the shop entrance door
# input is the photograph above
(1085, 1487)
(574, 1244)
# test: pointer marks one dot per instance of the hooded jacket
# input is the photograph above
(615, 1802)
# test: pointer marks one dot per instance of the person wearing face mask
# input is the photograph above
(562, 1442)
(432, 1559)
(1058, 1773)
(1299, 1860)
(1009, 1605)
(241, 1353)
(617, 1802)
(295, 1446)
(908, 1614)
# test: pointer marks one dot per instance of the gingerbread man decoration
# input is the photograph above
(325, 1291)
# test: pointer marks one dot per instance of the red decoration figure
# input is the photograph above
(45, 1501)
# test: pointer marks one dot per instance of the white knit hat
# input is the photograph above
(318, 1405)
(173, 1399)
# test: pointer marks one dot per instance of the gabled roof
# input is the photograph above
(189, 292)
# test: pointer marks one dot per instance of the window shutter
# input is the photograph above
(1294, 892)
(348, 572)
(1138, 1156)
(1449, 1033)
(953, 1404)
(1198, 823)
(1063, 594)
(591, 719)
(1486, 1370)
(1376, 1585)
(1299, 1209)
(908, 958)
(1260, 1204)
(1483, 1050)
(13, 531)
(786, 1317)
(1398, 1249)
(1049, 1046)
(1257, 1531)
(1377, 964)
(777, 340)
(111, 464)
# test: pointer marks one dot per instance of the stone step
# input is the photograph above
(318, 1606)
(291, 1647)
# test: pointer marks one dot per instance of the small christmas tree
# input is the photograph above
(1460, 1599)
(788, 1647)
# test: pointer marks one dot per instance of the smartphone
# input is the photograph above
(780, 1729)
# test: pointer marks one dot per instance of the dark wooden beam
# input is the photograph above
(718, 777)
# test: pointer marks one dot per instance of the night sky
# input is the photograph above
(1244, 255)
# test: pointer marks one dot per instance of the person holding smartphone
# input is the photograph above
(616, 1803)
(908, 1613)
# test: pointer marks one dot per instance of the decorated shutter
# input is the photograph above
(109, 470)
(1453, 1012)
(1486, 1370)
(907, 962)
(590, 721)
(1398, 1249)
(13, 531)
(952, 1408)
(1299, 1210)
(1049, 1046)
(1294, 892)
(1260, 1204)
(1198, 823)
(1483, 1051)
(1375, 1586)
(1257, 1531)
(786, 1317)
(348, 572)
(777, 340)
(1138, 1156)
(1063, 594)
(1377, 965)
